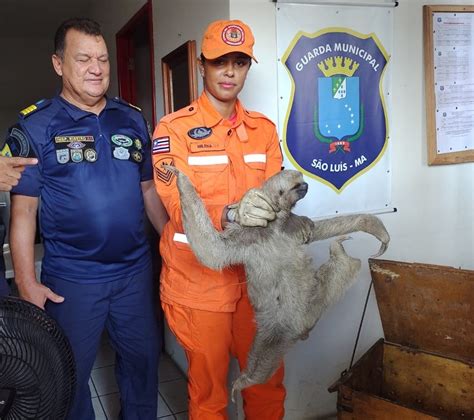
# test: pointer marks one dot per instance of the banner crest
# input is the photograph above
(336, 126)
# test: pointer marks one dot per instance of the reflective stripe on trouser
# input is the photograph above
(208, 339)
(126, 308)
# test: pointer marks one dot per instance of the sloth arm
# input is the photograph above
(213, 248)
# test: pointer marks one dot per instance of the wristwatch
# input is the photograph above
(231, 213)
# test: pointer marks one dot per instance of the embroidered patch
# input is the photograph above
(161, 145)
(121, 140)
(77, 156)
(199, 133)
(233, 35)
(138, 144)
(62, 155)
(17, 144)
(121, 153)
(90, 155)
(164, 175)
(137, 156)
(76, 145)
(6, 151)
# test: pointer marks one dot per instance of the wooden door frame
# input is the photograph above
(126, 83)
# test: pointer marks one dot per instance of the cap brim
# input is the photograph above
(211, 55)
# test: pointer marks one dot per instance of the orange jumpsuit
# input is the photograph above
(208, 310)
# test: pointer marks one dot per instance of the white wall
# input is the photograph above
(433, 224)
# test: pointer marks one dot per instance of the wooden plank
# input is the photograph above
(427, 307)
(368, 407)
(428, 382)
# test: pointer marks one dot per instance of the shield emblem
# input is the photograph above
(338, 111)
(336, 122)
(62, 156)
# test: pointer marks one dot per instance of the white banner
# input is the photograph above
(334, 90)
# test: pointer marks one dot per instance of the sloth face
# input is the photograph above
(285, 189)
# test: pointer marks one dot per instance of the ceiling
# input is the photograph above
(27, 18)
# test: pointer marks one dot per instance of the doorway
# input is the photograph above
(135, 60)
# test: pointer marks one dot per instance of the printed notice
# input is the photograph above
(453, 39)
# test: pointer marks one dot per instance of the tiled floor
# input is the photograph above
(172, 395)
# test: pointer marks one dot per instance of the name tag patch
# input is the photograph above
(71, 139)
(205, 146)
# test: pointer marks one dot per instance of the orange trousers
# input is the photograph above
(209, 339)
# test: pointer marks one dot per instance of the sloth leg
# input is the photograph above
(263, 360)
(342, 225)
(332, 279)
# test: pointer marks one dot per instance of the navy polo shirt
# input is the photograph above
(88, 177)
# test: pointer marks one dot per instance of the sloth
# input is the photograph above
(287, 292)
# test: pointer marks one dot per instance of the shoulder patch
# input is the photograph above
(121, 101)
(43, 103)
(183, 112)
(17, 143)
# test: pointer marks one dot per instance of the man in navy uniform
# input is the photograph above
(94, 178)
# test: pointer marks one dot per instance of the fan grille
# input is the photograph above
(36, 361)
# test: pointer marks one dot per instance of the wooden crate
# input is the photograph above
(424, 368)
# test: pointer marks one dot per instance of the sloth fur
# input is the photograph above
(287, 292)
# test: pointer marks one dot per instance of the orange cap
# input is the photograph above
(226, 36)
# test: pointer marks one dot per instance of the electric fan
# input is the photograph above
(37, 370)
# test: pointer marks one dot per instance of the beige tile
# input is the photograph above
(92, 388)
(111, 404)
(175, 394)
(163, 409)
(99, 413)
(104, 380)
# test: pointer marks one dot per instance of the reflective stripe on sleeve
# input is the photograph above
(180, 237)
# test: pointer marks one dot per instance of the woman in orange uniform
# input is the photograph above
(225, 150)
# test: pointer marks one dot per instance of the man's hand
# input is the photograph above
(11, 169)
(254, 209)
(37, 293)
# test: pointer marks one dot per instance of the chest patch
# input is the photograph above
(205, 146)
(121, 140)
(200, 133)
(73, 139)
(75, 149)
